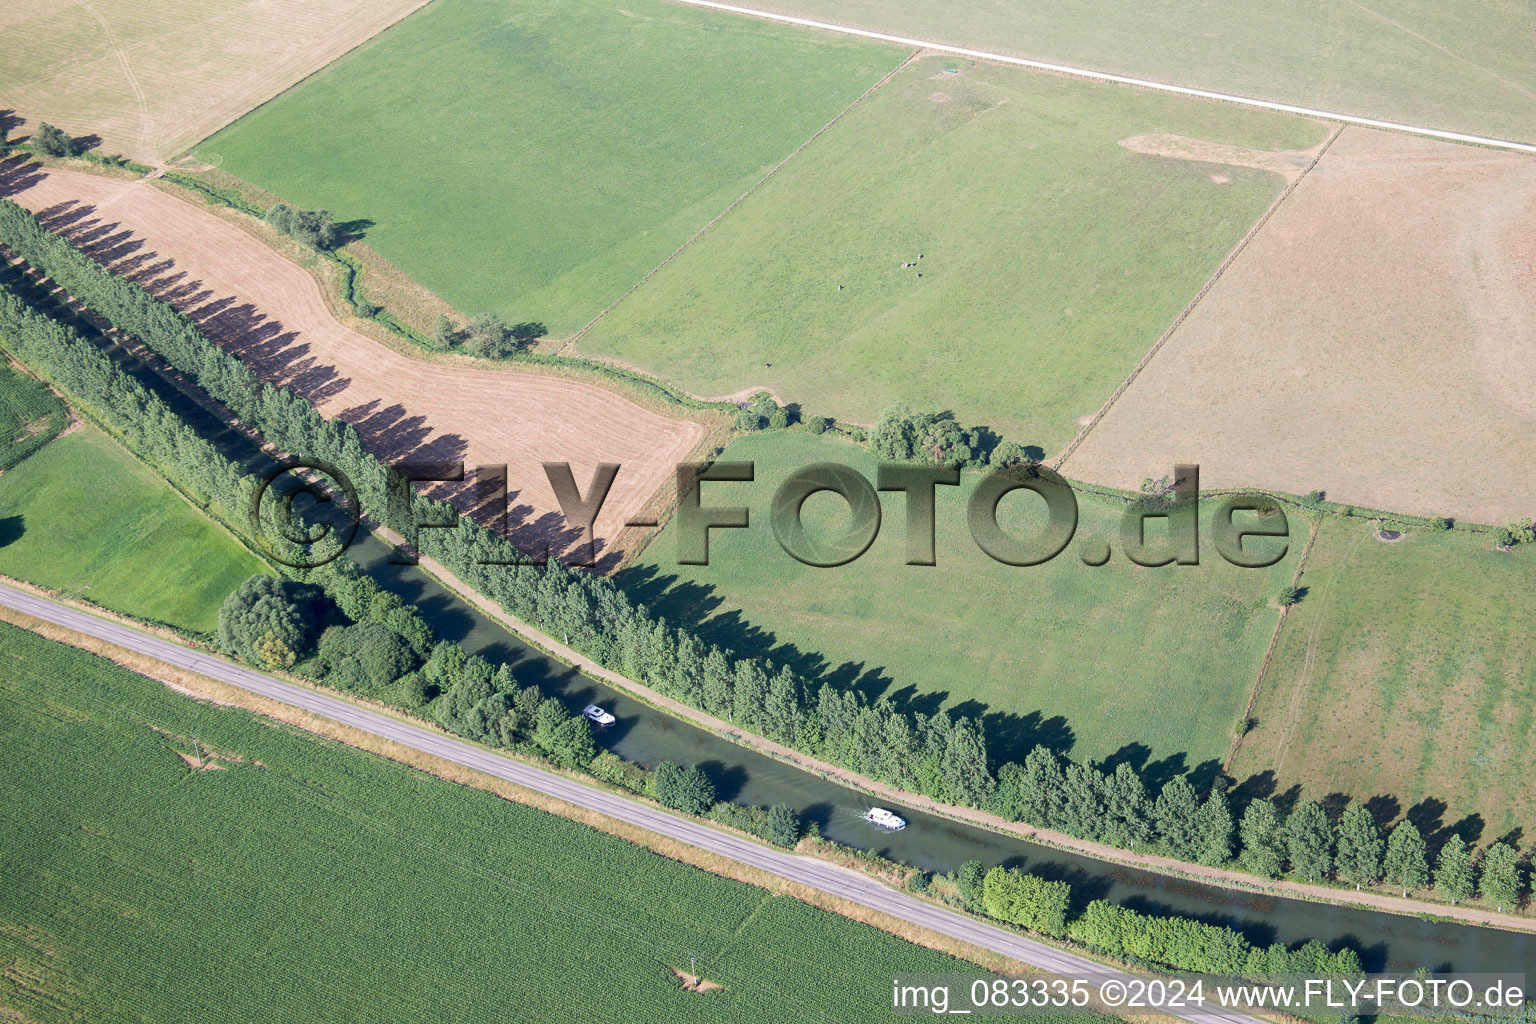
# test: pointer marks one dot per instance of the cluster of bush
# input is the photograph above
(1029, 901)
(763, 413)
(55, 142)
(1519, 531)
(315, 228)
(937, 439)
(487, 335)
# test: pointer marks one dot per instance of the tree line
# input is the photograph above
(942, 756)
(1029, 901)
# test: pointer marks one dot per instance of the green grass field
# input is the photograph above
(1408, 670)
(537, 161)
(1465, 66)
(97, 524)
(1107, 656)
(29, 416)
(1052, 257)
(307, 881)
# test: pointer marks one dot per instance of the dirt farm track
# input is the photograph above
(270, 311)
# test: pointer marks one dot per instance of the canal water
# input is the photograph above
(647, 736)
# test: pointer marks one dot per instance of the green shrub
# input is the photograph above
(686, 789)
(783, 826)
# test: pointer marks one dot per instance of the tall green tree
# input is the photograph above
(1263, 834)
(1128, 811)
(1174, 814)
(1360, 847)
(1082, 805)
(1453, 871)
(1213, 828)
(1309, 842)
(1499, 876)
(1406, 864)
(1040, 791)
(969, 878)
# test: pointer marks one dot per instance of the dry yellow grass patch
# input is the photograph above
(1376, 340)
(1288, 163)
(153, 77)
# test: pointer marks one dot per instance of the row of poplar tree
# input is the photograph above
(941, 755)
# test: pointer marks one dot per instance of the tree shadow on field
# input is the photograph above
(18, 173)
(1010, 735)
(353, 230)
(11, 529)
(9, 122)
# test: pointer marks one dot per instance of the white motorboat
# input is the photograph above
(882, 818)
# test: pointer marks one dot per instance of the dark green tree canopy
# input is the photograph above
(267, 621)
(686, 789)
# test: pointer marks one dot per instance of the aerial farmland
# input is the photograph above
(682, 510)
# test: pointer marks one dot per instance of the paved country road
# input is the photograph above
(808, 871)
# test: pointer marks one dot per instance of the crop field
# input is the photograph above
(1047, 256)
(1465, 67)
(537, 161)
(1408, 670)
(1096, 659)
(271, 313)
(83, 516)
(152, 77)
(1374, 341)
(29, 416)
(300, 880)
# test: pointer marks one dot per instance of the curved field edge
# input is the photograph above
(267, 310)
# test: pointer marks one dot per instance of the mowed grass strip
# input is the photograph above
(537, 161)
(1408, 671)
(304, 881)
(1464, 67)
(1157, 660)
(83, 516)
(1047, 257)
(29, 416)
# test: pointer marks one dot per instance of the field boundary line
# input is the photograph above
(1309, 661)
(569, 344)
(1269, 652)
(1178, 321)
(1105, 76)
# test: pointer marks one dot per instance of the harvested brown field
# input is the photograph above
(152, 77)
(271, 313)
(1376, 340)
